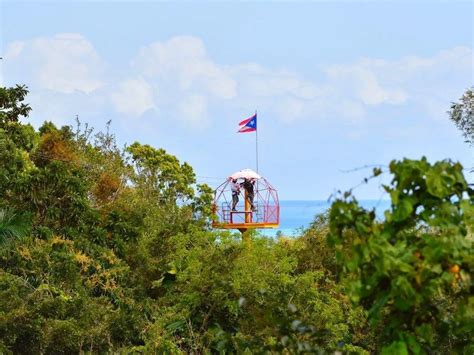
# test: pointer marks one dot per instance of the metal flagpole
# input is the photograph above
(256, 154)
(256, 139)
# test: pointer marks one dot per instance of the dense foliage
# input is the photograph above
(462, 114)
(412, 271)
(109, 250)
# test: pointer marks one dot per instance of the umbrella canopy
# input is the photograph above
(245, 174)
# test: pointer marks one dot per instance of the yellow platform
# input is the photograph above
(244, 225)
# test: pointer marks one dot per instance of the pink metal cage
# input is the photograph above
(266, 213)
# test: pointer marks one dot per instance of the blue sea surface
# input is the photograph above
(295, 216)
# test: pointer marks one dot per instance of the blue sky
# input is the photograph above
(337, 85)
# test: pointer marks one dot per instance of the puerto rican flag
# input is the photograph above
(248, 125)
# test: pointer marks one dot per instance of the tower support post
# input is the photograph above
(248, 208)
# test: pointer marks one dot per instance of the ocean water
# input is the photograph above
(295, 216)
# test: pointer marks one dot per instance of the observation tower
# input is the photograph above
(257, 205)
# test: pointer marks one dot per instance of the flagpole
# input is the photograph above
(256, 139)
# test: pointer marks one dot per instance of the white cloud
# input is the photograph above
(193, 109)
(256, 80)
(352, 110)
(178, 79)
(281, 93)
(364, 84)
(185, 79)
(182, 64)
(133, 97)
(14, 49)
(429, 83)
(63, 63)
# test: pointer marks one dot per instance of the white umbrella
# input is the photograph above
(245, 174)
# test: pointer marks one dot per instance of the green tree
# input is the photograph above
(220, 295)
(121, 258)
(462, 114)
(12, 109)
(412, 270)
(11, 104)
(161, 174)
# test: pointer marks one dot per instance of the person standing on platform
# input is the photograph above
(235, 188)
(248, 185)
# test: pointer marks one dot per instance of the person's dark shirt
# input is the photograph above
(247, 185)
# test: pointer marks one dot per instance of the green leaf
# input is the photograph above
(157, 283)
(425, 332)
(436, 185)
(176, 325)
(395, 348)
(402, 210)
(413, 344)
(377, 171)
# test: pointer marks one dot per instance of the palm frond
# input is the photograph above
(12, 225)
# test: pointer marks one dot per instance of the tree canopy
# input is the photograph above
(110, 250)
(462, 114)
